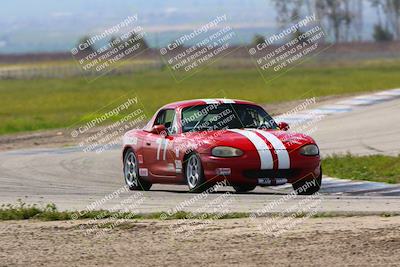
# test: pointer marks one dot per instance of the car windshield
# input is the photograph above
(225, 116)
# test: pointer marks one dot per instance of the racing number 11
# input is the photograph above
(162, 142)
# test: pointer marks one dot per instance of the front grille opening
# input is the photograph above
(270, 173)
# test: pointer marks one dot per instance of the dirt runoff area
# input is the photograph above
(340, 241)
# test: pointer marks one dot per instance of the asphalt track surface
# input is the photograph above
(73, 179)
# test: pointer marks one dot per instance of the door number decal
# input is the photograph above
(162, 142)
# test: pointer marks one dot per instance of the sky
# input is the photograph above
(49, 25)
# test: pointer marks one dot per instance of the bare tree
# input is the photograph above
(291, 11)
(359, 19)
(338, 15)
(391, 11)
(342, 19)
(288, 11)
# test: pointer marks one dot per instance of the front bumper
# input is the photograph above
(246, 169)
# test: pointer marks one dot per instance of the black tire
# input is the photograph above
(131, 173)
(194, 176)
(309, 190)
(243, 188)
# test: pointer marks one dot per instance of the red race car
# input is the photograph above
(202, 142)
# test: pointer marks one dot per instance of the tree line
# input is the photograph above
(344, 19)
(134, 39)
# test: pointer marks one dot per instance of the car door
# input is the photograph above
(158, 156)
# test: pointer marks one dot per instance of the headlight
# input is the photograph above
(309, 150)
(226, 152)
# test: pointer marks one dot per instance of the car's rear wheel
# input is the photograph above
(307, 187)
(243, 188)
(194, 174)
(131, 173)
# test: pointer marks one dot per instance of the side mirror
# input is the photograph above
(283, 126)
(159, 129)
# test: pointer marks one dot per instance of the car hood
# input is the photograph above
(249, 139)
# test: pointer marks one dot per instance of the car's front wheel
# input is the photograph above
(131, 173)
(306, 187)
(194, 174)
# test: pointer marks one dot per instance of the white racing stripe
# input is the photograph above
(226, 101)
(218, 100)
(281, 152)
(267, 163)
(210, 101)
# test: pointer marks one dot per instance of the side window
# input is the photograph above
(165, 117)
(174, 126)
(160, 118)
(254, 117)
